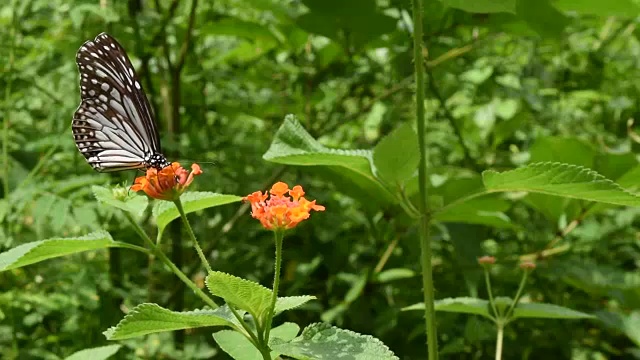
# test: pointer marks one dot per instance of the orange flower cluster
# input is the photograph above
(168, 183)
(279, 211)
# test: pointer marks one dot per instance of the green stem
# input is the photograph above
(159, 254)
(133, 247)
(499, 341)
(250, 334)
(8, 104)
(192, 235)
(487, 281)
(279, 236)
(523, 282)
(41, 163)
(425, 219)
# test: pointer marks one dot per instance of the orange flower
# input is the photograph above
(281, 212)
(168, 183)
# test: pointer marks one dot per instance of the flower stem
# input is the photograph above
(499, 341)
(487, 282)
(278, 235)
(425, 218)
(523, 282)
(192, 235)
(169, 263)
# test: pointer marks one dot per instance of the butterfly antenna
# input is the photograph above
(200, 162)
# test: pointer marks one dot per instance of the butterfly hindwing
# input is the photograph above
(113, 127)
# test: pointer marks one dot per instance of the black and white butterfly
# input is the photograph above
(113, 127)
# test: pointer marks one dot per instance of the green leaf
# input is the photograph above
(394, 274)
(151, 318)
(323, 341)
(166, 211)
(542, 17)
(628, 324)
(78, 13)
(133, 203)
(547, 311)
(353, 23)
(292, 145)
(567, 150)
(483, 6)
(236, 27)
(286, 332)
(481, 211)
(291, 302)
(562, 180)
(397, 155)
(37, 251)
(244, 294)
(237, 345)
(463, 305)
(625, 8)
(97, 353)
(240, 348)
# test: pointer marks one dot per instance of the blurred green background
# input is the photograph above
(509, 83)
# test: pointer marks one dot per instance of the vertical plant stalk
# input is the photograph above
(499, 341)
(8, 105)
(425, 218)
(192, 235)
(279, 236)
(160, 255)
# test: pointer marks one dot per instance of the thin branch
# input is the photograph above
(162, 37)
(144, 72)
(452, 120)
(187, 38)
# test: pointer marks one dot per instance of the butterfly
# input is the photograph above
(114, 127)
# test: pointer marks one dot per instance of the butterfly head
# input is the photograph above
(157, 161)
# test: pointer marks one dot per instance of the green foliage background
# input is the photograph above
(509, 83)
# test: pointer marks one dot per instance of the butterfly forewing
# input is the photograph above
(113, 127)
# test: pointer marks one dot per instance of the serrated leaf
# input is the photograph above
(151, 318)
(561, 180)
(244, 294)
(37, 251)
(291, 302)
(133, 203)
(397, 155)
(293, 145)
(97, 353)
(323, 341)
(166, 211)
(547, 311)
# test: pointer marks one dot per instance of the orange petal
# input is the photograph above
(279, 188)
(296, 192)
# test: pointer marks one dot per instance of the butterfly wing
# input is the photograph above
(113, 127)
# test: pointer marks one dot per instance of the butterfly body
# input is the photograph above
(114, 126)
